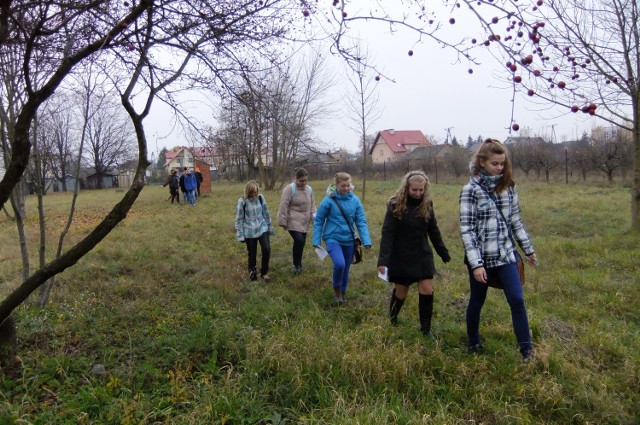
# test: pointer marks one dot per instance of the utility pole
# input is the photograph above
(448, 129)
(553, 133)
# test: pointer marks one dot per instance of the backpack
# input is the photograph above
(294, 186)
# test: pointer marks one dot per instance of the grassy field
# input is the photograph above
(165, 306)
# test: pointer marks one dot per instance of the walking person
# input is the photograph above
(490, 225)
(405, 254)
(174, 184)
(183, 189)
(199, 179)
(339, 213)
(253, 227)
(297, 209)
(190, 184)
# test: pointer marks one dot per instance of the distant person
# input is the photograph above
(173, 181)
(405, 255)
(490, 224)
(199, 178)
(337, 230)
(297, 209)
(190, 185)
(253, 227)
(183, 189)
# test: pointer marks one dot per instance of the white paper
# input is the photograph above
(321, 252)
(384, 276)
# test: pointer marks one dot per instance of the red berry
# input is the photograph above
(410, 52)
(470, 71)
(540, 2)
(452, 21)
(575, 108)
(517, 78)
(530, 92)
(305, 13)
(562, 84)
(515, 127)
(377, 78)
(537, 73)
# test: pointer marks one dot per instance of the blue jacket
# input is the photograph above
(190, 181)
(329, 224)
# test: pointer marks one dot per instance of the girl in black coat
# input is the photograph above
(405, 254)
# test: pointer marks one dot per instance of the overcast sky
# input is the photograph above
(431, 93)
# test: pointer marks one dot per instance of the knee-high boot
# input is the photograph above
(425, 309)
(394, 307)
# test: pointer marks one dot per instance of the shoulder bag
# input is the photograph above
(357, 243)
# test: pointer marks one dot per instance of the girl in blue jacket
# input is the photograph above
(331, 227)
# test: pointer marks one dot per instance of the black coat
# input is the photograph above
(404, 247)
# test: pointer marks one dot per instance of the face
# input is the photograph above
(416, 188)
(344, 187)
(494, 164)
(301, 182)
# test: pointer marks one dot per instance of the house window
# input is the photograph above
(381, 152)
(180, 162)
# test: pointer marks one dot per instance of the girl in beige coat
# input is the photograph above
(297, 211)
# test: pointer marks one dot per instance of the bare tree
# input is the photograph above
(582, 56)
(363, 106)
(109, 136)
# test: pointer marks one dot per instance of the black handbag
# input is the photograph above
(357, 243)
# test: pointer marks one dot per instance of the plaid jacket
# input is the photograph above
(484, 232)
(252, 218)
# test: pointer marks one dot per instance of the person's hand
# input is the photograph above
(532, 259)
(381, 269)
(446, 259)
(480, 275)
(241, 240)
(367, 247)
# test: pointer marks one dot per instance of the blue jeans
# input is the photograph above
(341, 256)
(510, 279)
(191, 196)
(299, 239)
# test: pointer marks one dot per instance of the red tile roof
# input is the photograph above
(397, 140)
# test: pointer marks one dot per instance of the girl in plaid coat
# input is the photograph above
(253, 227)
(490, 223)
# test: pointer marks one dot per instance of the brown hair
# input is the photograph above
(399, 199)
(486, 149)
(251, 189)
(300, 173)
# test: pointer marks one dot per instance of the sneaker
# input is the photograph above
(476, 349)
(265, 277)
(253, 275)
(527, 355)
(296, 270)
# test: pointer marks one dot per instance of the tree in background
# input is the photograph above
(362, 101)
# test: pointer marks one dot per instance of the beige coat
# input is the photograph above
(297, 212)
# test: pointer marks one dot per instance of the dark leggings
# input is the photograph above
(299, 239)
(265, 249)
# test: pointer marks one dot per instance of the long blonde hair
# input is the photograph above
(399, 199)
(489, 147)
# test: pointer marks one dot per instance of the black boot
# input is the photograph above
(425, 309)
(394, 307)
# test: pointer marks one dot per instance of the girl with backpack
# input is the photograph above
(253, 227)
(297, 210)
